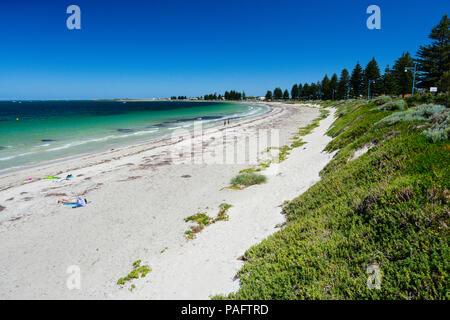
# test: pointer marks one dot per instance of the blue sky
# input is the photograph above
(154, 48)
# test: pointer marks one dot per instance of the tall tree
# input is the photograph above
(434, 59)
(372, 72)
(326, 89)
(388, 80)
(343, 85)
(305, 94)
(294, 92)
(333, 85)
(277, 93)
(356, 81)
(316, 91)
(286, 95)
(403, 80)
(269, 95)
(300, 89)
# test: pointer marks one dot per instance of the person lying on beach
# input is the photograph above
(80, 202)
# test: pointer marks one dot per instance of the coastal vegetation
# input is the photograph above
(247, 179)
(387, 209)
(164, 250)
(137, 272)
(202, 220)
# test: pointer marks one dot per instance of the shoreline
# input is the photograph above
(137, 143)
(138, 202)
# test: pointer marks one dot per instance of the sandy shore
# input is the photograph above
(139, 197)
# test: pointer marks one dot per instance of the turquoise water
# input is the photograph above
(35, 131)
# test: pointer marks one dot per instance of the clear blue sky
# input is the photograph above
(159, 48)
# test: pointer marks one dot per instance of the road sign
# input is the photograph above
(433, 89)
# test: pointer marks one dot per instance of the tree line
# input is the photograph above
(432, 65)
(229, 95)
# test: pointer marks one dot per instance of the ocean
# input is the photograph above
(32, 132)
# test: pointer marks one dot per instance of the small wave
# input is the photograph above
(7, 158)
(144, 132)
(78, 143)
(16, 156)
(68, 145)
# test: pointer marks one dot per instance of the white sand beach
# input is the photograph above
(138, 199)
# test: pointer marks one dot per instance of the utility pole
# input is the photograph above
(413, 69)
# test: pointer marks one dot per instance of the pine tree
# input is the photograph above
(316, 91)
(403, 80)
(326, 90)
(434, 59)
(286, 95)
(300, 90)
(356, 81)
(372, 72)
(305, 94)
(294, 92)
(277, 93)
(388, 80)
(269, 95)
(334, 85)
(343, 85)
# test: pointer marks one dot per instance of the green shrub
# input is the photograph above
(382, 100)
(440, 99)
(203, 220)
(426, 99)
(438, 115)
(420, 113)
(138, 271)
(393, 106)
(436, 135)
(222, 215)
(440, 129)
(248, 179)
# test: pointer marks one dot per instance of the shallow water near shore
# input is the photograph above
(35, 131)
